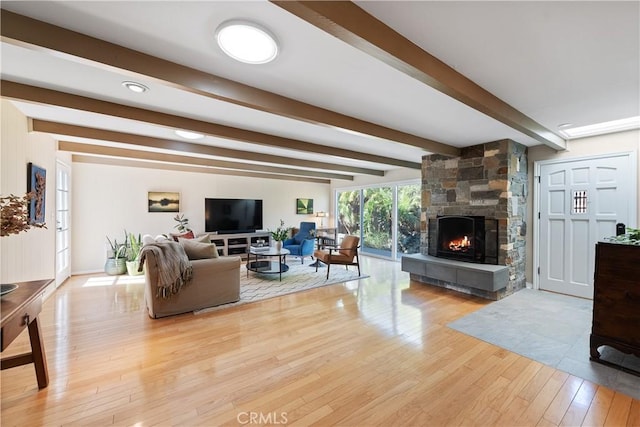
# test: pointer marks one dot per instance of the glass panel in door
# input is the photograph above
(348, 213)
(377, 220)
(409, 201)
(63, 231)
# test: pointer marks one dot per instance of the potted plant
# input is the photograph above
(116, 257)
(183, 223)
(280, 234)
(133, 254)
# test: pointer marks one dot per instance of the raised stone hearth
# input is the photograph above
(486, 180)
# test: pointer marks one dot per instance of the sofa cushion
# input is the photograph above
(199, 250)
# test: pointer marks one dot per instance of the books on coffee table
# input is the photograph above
(259, 248)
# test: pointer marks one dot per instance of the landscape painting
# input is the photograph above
(164, 201)
(304, 206)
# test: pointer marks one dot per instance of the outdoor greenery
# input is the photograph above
(377, 214)
(409, 201)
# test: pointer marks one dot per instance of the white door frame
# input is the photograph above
(537, 165)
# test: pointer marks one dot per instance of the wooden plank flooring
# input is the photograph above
(374, 353)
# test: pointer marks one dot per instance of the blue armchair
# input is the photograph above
(302, 243)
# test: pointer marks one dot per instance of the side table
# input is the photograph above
(20, 309)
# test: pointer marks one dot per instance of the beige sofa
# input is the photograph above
(215, 281)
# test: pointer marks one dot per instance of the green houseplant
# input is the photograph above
(280, 234)
(133, 254)
(116, 257)
(631, 237)
(182, 223)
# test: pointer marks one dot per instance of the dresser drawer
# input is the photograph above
(17, 323)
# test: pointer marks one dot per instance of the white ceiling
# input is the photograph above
(556, 62)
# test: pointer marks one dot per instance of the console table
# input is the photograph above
(20, 310)
(616, 301)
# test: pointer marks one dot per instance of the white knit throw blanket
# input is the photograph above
(174, 268)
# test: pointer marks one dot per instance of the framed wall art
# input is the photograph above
(160, 201)
(304, 206)
(36, 184)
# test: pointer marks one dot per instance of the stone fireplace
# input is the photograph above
(481, 195)
(464, 237)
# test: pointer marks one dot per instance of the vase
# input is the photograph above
(115, 266)
(279, 245)
(132, 268)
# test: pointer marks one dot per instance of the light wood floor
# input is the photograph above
(374, 353)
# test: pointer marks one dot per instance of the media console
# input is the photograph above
(238, 243)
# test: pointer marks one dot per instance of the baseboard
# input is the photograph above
(80, 273)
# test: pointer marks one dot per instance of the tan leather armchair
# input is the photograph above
(346, 254)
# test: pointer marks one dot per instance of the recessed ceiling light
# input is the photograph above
(246, 42)
(188, 134)
(564, 125)
(135, 87)
(602, 128)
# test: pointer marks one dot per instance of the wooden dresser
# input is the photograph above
(616, 301)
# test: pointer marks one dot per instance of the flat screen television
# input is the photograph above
(232, 215)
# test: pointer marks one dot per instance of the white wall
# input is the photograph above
(621, 142)
(29, 255)
(108, 199)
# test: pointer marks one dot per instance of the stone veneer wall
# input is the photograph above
(488, 179)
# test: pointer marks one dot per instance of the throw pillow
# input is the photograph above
(147, 239)
(204, 238)
(188, 235)
(199, 250)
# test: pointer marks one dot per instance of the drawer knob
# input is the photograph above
(26, 319)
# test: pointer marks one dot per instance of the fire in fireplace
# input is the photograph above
(465, 238)
(460, 245)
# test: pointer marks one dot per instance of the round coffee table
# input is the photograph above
(259, 261)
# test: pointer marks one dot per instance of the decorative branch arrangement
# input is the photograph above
(14, 214)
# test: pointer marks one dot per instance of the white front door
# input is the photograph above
(581, 201)
(63, 223)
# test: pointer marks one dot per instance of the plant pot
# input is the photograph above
(279, 245)
(115, 266)
(132, 268)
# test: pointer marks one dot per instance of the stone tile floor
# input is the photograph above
(554, 330)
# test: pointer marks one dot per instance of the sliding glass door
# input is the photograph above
(377, 223)
(408, 223)
(386, 218)
(348, 212)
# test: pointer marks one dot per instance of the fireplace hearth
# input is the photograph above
(464, 238)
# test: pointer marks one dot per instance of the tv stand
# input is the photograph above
(238, 243)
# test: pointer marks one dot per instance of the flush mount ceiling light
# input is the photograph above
(601, 128)
(246, 42)
(188, 134)
(135, 87)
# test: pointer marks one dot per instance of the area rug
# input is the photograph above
(300, 277)
(551, 329)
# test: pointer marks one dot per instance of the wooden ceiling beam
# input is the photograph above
(101, 150)
(14, 90)
(64, 129)
(54, 40)
(351, 24)
(112, 161)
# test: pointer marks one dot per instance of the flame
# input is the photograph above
(460, 244)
